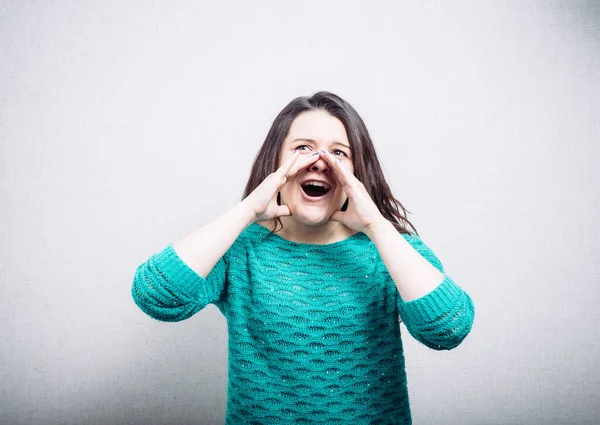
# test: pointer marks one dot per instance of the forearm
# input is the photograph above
(201, 249)
(413, 275)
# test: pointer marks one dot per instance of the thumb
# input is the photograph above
(338, 216)
(283, 210)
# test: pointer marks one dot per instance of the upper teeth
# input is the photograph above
(317, 183)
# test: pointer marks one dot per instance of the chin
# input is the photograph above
(312, 216)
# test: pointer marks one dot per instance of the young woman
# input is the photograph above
(313, 271)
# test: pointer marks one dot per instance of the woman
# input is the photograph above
(313, 270)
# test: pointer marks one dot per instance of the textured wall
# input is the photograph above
(124, 125)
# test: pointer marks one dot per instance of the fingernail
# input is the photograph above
(339, 160)
(316, 153)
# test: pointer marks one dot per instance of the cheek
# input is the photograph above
(286, 192)
(348, 163)
(339, 197)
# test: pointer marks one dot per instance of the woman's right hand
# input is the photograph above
(263, 199)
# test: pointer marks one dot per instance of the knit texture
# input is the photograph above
(314, 335)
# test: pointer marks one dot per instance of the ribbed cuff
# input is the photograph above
(178, 272)
(431, 306)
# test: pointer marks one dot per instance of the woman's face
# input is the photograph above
(314, 194)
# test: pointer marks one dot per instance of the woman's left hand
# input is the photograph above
(362, 214)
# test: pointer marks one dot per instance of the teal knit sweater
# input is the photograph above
(314, 335)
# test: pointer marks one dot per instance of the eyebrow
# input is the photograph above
(311, 140)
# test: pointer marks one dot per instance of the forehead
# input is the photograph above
(318, 125)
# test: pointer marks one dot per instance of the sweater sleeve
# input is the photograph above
(442, 318)
(167, 289)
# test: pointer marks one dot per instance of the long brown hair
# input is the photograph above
(367, 168)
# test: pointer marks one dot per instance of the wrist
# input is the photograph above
(246, 212)
(381, 226)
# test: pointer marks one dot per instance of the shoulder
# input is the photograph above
(417, 243)
(250, 238)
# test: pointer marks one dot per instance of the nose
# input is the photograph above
(319, 166)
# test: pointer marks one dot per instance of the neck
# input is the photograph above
(326, 233)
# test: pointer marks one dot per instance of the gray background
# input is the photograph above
(125, 125)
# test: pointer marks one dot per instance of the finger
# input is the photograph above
(343, 174)
(303, 162)
(283, 170)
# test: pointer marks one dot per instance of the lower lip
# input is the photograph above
(313, 198)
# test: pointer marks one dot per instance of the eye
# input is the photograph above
(302, 148)
(338, 152)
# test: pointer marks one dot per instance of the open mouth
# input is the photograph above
(315, 188)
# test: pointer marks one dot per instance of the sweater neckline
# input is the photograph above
(266, 232)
